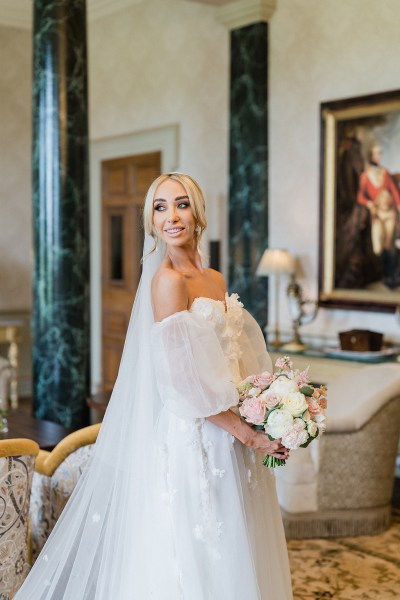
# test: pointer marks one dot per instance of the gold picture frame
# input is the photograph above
(359, 265)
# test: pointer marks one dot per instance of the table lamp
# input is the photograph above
(277, 262)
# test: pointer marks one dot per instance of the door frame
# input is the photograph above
(162, 139)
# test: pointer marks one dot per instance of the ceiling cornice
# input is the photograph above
(240, 13)
(19, 13)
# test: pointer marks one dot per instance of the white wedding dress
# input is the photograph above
(220, 503)
(172, 507)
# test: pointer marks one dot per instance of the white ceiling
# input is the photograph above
(18, 13)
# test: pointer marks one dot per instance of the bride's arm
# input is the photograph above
(180, 375)
(256, 440)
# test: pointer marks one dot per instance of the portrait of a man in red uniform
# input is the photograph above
(359, 265)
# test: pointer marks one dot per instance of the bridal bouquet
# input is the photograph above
(285, 405)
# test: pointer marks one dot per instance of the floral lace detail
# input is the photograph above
(227, 317)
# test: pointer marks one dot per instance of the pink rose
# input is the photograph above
(253, 410)
(250, 378)
(271, 399)
(294, 438)
(264, 380)
(284, 363)
(313, 406)
(302, 377)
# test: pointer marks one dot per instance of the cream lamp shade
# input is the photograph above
(275, 261)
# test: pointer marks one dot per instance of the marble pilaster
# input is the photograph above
(248, 165)
(61, 345)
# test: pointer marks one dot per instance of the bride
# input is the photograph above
(176, 503)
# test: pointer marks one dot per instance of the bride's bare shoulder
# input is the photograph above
(168, 292)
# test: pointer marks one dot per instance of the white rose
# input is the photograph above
(283, 386)
(299, 424)
(295, 403)
(278, 422)
(312, 428)
(320, 420)
(294, 438)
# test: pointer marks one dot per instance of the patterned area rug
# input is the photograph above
(359, 568)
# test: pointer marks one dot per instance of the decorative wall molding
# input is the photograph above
(245, 12)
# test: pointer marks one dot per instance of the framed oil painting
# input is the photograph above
(360, 203)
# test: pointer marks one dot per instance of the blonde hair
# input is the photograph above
(196, 201)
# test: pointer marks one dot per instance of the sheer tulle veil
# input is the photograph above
(98, 546)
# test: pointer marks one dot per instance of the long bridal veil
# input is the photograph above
(100, 546)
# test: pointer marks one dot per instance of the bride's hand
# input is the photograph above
(256, 440)
(260, 442)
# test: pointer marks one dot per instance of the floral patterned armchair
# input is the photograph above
(17, 462)
(55, 477)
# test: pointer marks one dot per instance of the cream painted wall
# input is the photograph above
(167, 63)
(162, 63)
(15, 170)
(321, 51)
(15, 190)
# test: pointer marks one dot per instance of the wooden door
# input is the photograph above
(124, 185)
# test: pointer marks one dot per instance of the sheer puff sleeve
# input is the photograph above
(254, 356)
(192, 374)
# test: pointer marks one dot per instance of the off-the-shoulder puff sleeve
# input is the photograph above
(255, 358)
(192, 373)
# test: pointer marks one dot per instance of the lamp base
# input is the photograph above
(275, 344)
(294, 346)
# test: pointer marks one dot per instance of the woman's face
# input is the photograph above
(172, 214)
(376, 154)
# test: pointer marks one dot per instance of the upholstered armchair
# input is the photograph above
(55, 477)
(17, 462)
(341, 485)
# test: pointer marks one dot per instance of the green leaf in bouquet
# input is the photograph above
(307, 390)
(244, 387)
(310, 439)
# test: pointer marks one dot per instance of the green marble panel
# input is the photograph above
(61, 327)
(248, 165)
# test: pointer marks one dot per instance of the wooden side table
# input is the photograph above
(46, 433)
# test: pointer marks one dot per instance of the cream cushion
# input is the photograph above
(356, 397)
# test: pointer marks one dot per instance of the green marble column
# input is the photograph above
(61, 345)
(248, 166)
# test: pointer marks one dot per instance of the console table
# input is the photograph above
(326, 365)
